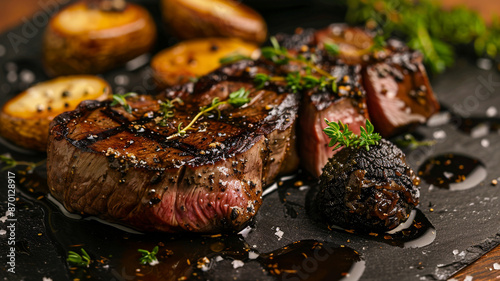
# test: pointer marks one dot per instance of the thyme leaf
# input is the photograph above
(76, 259)
(237, 99)
(340, 135)
(167, 109)
(148, 257)
(332, 49)
(122, 100)
(297, 81)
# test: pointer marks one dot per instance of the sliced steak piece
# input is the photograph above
(399, 95)
(120, 166)
(348, 105)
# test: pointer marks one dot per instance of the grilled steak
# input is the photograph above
(398, 92)
(119, 166)
(389, 85)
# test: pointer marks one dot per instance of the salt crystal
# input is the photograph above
(279, 233)
(491, 111)
(439, 119)
(237, 264)
(121, 80)
(484, 63)
(252, 255)
(496, 266)
(245, 231)
(27, 76)
(468, 278)
(485, 143)
(439, 134)
(455, 252)
(219, 258)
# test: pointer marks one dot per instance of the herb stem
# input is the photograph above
(190, 125)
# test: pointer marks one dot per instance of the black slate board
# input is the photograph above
(466, 222)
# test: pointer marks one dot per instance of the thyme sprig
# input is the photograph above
(411, 142)
(76, 259)
(167, 109)
(148, 257)
(11, 163)
(122, 100)
(236, 99)
(280, 55)
(233, 58)
(340, 135)
(296, 82)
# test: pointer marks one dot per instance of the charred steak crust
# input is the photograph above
(119, 166)
(370, 191)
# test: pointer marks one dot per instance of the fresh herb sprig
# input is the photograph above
(411, 142)
(122, 100)
(233, 58)
(148, 257)
(236, 99)
(167, 109)
(296, 82)
(428, 27)
(76, 259)
(280, 55)
(340, 135)
(11, 163)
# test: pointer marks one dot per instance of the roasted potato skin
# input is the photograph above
(192, 58)
(187, 19)
(29, 127)
(117, 37)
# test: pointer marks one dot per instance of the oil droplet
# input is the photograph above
(452, 171)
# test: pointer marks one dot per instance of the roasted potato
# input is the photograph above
(192, 58)
(25, 119)
(82, 39)
(188, 19)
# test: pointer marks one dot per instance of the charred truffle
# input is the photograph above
(370, 190)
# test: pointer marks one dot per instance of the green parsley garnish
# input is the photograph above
(428, 27)
(122, 100)
(340, 135)
(76, 259)
(148, 257)
(236, 99)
